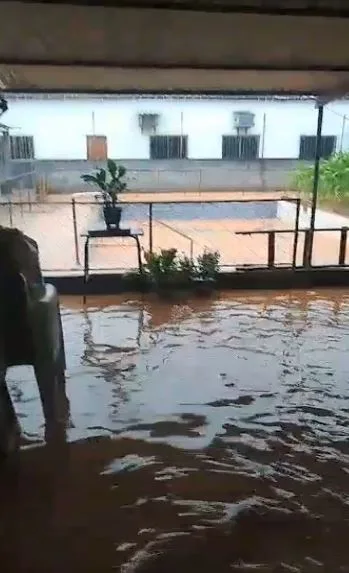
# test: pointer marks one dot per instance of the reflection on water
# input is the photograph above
(209, 436)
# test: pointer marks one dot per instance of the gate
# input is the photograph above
(17, 166)
(5, 186)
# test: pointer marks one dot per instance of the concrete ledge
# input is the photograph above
(250, 279)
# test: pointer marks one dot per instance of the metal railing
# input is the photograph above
(306, 256)
(174, 230)
(69, 221)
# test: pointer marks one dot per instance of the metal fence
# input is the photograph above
(18, 179)
(246, 234)
(64, 178)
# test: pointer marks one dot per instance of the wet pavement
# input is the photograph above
(204, 435)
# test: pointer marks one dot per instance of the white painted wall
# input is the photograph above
(60, 126)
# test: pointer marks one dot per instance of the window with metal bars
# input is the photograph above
(240, 147)
(22, 147)
(168, 146)
(307, 146)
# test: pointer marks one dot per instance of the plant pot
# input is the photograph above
(112, 215)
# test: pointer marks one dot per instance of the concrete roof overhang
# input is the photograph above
(160, 46)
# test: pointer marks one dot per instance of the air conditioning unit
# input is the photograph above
(148, 122)
(243, 119)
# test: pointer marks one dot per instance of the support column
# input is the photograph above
(309, 252)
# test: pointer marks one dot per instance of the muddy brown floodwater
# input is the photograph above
(208, 436)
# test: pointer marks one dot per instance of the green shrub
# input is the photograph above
(110, 181)
(168, 268)
(162, 267)
(208, 265)
(333, 178)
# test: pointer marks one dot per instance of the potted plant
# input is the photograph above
(167, 271)
(111, 182)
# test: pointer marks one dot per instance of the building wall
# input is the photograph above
(59, 126)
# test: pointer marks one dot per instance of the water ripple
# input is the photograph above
(204, 436)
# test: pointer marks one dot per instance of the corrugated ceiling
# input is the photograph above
(106, 49)
(312, 7)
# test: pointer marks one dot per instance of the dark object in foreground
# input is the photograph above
(31, 331)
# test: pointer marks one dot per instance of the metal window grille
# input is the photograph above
(4, 148)
(307, 146)
(22, 147)
(168, 146)
(240, 147)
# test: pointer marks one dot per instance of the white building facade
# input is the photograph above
(67, 127)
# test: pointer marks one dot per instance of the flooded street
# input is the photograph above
(209, 436)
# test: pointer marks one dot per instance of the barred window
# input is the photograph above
(22, 147)
(307, 146)
(168, 146)
(236, 147)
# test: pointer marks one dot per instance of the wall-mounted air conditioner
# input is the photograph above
(148, 122)
(243, 120)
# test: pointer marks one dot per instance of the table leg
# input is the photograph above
(139, 254)
(86, 266)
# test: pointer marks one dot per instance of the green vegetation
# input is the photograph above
(110, 181)
(333, 179)
(168, 269)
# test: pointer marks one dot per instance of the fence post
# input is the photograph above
(191, 250)
(296, 232)
(150, 227)
(342, 133)
(76, 238)
(10, 212)
(271, 249)
(263, 135)
(343, 246)
(29, 200)
(307, 248)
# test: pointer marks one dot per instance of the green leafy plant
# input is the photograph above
(187, 269)
(333, 178)
(208, 265)
(162, 267)
(169, 269)
(110, 181)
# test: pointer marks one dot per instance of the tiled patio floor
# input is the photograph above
(51, 225)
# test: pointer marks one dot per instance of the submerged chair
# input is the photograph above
(30, 331)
